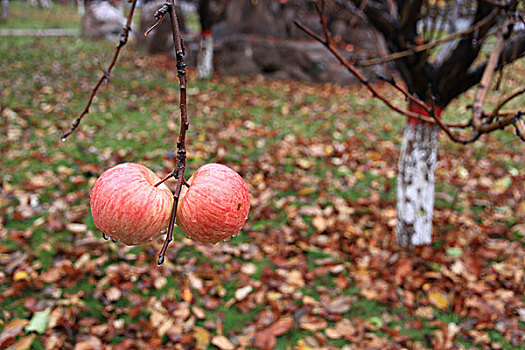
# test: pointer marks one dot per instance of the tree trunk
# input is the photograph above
(41, 3)
(415, 180)
(205, 57)
(81, 8)
(5, 10)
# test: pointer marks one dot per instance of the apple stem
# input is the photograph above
(104, 79)
(170, 175)
(178, 171)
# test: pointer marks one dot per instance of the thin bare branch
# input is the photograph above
(519, 124)
(424, 47)
(507, 99)
(484, 84)
(178, 171)
(159, 21)
(430, 109)
(358, 74)
(319, 9)
(359, 10)
(123, 39)
(485, 127)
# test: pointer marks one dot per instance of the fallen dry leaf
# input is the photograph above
(11, 330)
(265, 340)
(439, 300)
(222, 342)
(341, 304)
(202, 338)
(281, 326)
(25, 343)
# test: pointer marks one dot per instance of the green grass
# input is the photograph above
(24, 16)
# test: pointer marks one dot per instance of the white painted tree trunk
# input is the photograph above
(81, 9)
(5, 9)
(205, 57)
(41, 3)
(415, 183)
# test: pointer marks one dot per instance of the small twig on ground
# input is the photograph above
(123, 39)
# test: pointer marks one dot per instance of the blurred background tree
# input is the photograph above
(413, 31)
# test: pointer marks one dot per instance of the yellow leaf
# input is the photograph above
(187, 296)
(439, 300)
(202, 338)
(305, 191)
(301, 345)
(304, 163)
(20, 276)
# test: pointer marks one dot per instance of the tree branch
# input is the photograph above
(358, 74)
(513, 50)
(123, 39)
(482, 128)
(180, 166)
(486, 79)
(456, 67)
(513, 95)
(424, 47)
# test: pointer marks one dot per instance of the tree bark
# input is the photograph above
(81, 8)
(415, 181)
(5, 10)
(205, 56)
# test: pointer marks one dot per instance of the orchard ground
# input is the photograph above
(316, 265)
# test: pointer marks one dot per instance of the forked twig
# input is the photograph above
(104, 79)
(180, 166)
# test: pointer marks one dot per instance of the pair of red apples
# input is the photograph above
(128, 207)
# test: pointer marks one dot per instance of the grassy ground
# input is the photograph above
(317, 261)
(23, 16)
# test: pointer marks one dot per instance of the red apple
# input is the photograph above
(215, 206)
(126, 205)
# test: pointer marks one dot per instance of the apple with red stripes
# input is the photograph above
(128, 207)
